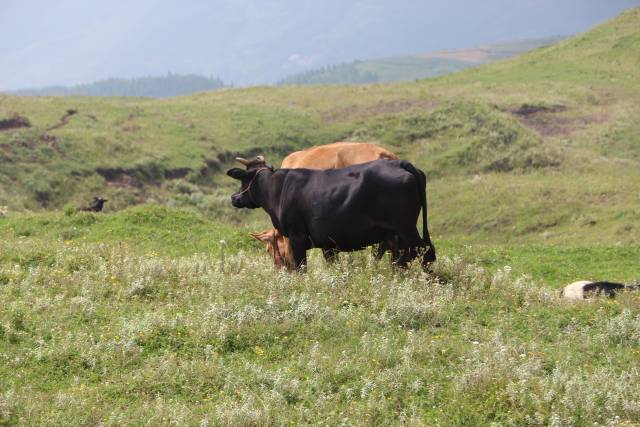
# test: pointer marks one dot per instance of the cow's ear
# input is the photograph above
(237, 173)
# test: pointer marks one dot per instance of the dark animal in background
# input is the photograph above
(95, 206)
(340, 209)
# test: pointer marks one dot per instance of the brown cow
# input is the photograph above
(336, 156)
(278, 247)
(331, 156)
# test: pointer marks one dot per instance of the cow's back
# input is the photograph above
(336, 155)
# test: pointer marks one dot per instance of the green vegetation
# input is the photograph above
(578, 124)
(162, 310)
(109, 333)
(156, 87)
(179, 232)
(145, 228)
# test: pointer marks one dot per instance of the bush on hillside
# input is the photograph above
(468, 137)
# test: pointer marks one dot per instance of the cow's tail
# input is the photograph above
(421, 178)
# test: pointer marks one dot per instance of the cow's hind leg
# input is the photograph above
(430, 254)
(428, 257)
(409, 242)
(405, 256)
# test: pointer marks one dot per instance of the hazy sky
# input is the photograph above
(63, 42)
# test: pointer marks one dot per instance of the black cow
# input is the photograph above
(95, 206)
(340, 209)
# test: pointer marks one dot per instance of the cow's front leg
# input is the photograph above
(390, 243)
(378, 251)
(330, 255)
(299, 250)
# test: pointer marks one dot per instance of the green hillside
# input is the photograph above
(163, 311)
(553, 133)
(413, 67)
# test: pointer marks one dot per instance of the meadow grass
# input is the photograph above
(162, 310)
(148, 228)
(176, 232)
(132, 149)
(107, 334)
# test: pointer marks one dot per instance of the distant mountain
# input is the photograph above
(251, 42)
(156, 87)
(414, 67)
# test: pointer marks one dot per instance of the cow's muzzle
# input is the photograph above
(236, 201)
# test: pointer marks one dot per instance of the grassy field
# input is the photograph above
(162, 310)
(109, 319)
(554, 131)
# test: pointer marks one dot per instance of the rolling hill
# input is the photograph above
(413, 67)
(539, 148)
(163, 311)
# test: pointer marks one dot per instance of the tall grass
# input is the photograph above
(97, 333)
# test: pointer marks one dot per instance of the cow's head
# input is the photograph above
(246, 196)
(278, 247)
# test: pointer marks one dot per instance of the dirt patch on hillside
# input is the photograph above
(354, 112)
(528, 110)
(548, 120)
(150, 174)
(176, 173)
(64, 119)
(14, 122)
(130, 178)
(118, 177)
(211, 167)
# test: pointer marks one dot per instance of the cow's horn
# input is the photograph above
(260, 158)
(242, 161)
